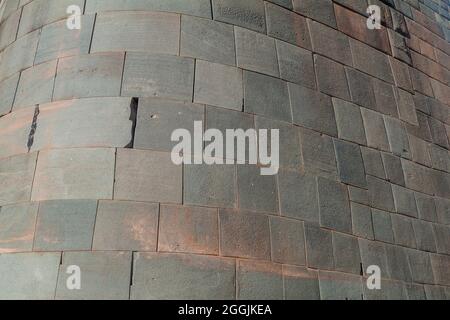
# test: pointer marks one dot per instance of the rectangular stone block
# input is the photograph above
(330, 43)
(404, 201)
(443, 210)
(319, 247)
(298, 196)
(57, 41)
(218, 85)
(158, 76)
(287, 241)
(382, 226)
(398, 264)
(300, 283)
(417, 177)
(84, 76)
(424, 235)
(420, 264)
(105, 276)
(373, 253)
(393, 167)
(30, 276)
(65, 225)
(288, 26)
(7, 93)
(319, 10)
(331, 78)
(244, 234)
(358, 195)
(361, 88)
(403, 231)
(442, 234)
(249, 14)
(362, 221)
(346, 253)
(176, 276)
(296, 64)
(385, 98)
(340, 286)
(17, 224)
(375, 130)
(155, 32)
(208, 40)
(266, 96)
(438, 133)
(419, 151)
(74, 174)
(426, 207)
(400, 71)
(36, 85)
(312, 109)
(256, 52)
(124, 225)
(349, 121)
(8, 29)
(15, 130)
(373, 162)
(259, 281)
(441, 269)
(188, 229)
(149, 176)
(17, 178)
(406, 107)
(398, 137)
(350, 163)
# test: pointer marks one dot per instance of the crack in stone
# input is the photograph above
(133, 118)
(33, 128)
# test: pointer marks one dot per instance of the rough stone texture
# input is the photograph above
(86, 170)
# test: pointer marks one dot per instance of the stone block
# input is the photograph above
(403, 231)
(435, 292)
(417, 177)
(398, 138)
(441, 269)
(319, 10)
(373, 253)
(404, 201)
(8, 29)
(382, 226)
(15, 132)
(415, 292)
(300, 283)
(424, 235)
(319, 247)
(398, 263)
(65, 225)
(443, 210)
(385, 98)
(375, 130)
(349, 121)
(393, 167)
(287, 241)
(358, 195)
(8, 89)
(438, 133)
(296, 64)
(346, 253)
(419, 151)
(373, 163)
(340, 286)
(426, 207)
(74, 174)
(406, 107)
(249, 14)
(218, 85)
(331, 78)
(439, 157)
(143, 175)
(420, 264)
(124, 225)
(361, 88)
(442, 234)
(400, 71)
(362, 221)
(350, 163)
(259, 281)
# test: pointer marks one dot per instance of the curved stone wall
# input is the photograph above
(86, 177)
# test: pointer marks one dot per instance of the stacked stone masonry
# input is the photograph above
(85, 171)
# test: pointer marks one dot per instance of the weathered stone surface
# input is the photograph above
(385, 98)
(300, 283)
(441, 269)
(208, 40)
(424, 235)
(143, 175)
(16, 178)
(176, 276)
(319, 247)
(65, 225)
(152, 32)
(439, 158)
(218, 85)
(7, 93)
(331, 78)
(294, 28)
(415, 292)
(380, 194)
(296, 64)
(438, 133)
(403, 231)
(362, 221)
(30, 275)
(158, 76)
(249, 14)
(443, 210)
(404, 201)
(419, 151)
(125, 225)
(340, 286)
(74, 174)
(361, 88)
(255, 191)
(398, 138)
(319, 10)
(266, 96)
(441, 234)
(406, 107)
(393, 167)
(417, 177)
(346, 253)
(259, 281)
(382, 226)
(373, 163)
(188, 229)
(256, 52)
(298, 196)
(15, 131)
(17, 224)
(8, 29)
(390, 290)
(287, 241)
(358, 195)
(373, 253)
(375, 129)
(244, 235)
(312, 109)
(105, 276)
(350, 163)
(349, 121)
(434, 292)
(398, 264)
(426, 207)
(400, 71)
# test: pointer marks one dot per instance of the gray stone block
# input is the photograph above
(403, 231)
(334, 206)
(298, 196)
(385, 98)
(74, 174)
(406, 107)
(382, 226)
(358, 195)
(373, 253)
(288, 26)
(442, 234)
(249, 14)
(393, 167)
(438, 133)
(340, 286)
(404, 201)
(415, 292)
(15, 132)
(319, 247)
(244, 234)
(17, 225)
(57, 41)
(124, 225)
(158, 76)
(218, 85)
(287, 241)
(330, 43)
(266, 96)
(375, 130)
(443, 210)
(441, 269)
(17, 178)
(424, 235)
(390, 290)
(400, 71)
(256, 52)
(7, 93)
(65, 225)
(346, 254)
(349, 121)
(361, 88)
(419, 151)
(296, 64)
(312, 109)
(259, 281)
(207, 40)
(8, 29)
(319, 10)
(300, 283)
(143, 175)
(398, 138)
(373, 162)
(29, 275)
(362, 221)
(210, 185)
(426, 207)
(435, 292)
(176, 276)
(104, 276)
(420, 264)
(417, 177)
(350, 163)
(331, 78)
(440, 158)
(155, 32)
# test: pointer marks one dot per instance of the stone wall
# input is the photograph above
(86, 177)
